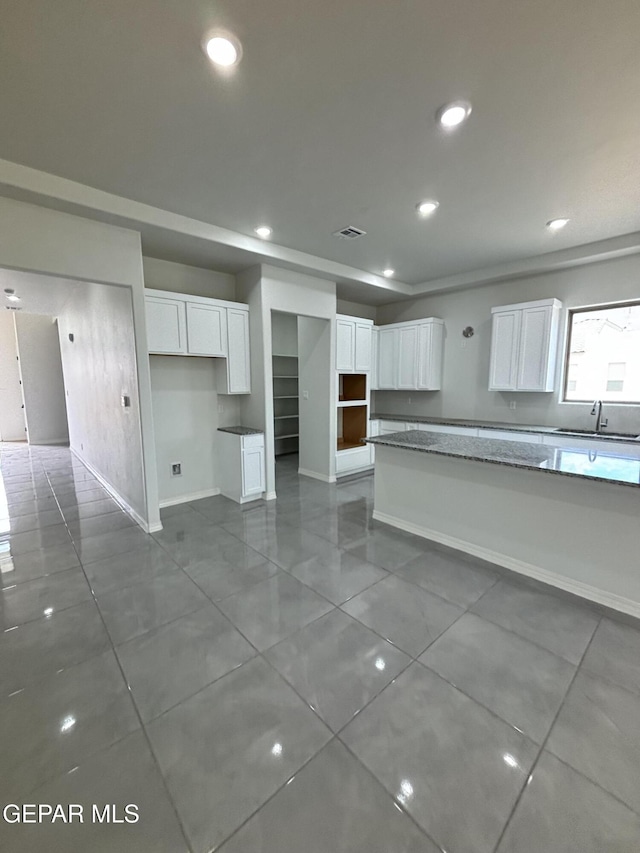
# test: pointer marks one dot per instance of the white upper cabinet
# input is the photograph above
(345, 345)
(388, 358)
(353, 344)
(206, 329)
(524, 346)
(364, 339)
(166, 325)
(178, 324)
(236, 376)
(409, 356)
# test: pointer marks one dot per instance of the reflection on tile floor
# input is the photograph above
(295, 676)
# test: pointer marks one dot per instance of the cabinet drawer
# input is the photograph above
(392, 426)
(252, 441)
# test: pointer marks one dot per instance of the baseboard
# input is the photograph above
(324, 478)
(44, 442)
(591, 593)
(184, 499)
(270, 496)
(353, 472)
(139, 520)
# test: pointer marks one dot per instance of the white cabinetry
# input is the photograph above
(178, 324)
(241, 466)
(524, 346)
(166, 325)
(353, 344)
(409, 356)
(235, 374)
(206, 329)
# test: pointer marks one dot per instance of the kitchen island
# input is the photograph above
(565, 514)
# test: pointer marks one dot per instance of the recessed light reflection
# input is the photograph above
(67, 724)
(380, 664)
(406, 791)
(48, 611)
(510, 760)
(276, 750)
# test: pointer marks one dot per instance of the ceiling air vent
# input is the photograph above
(12, 308)
(349, 233)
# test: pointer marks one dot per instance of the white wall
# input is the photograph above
(284, 334)
(186, 417)
(268, 289)
(357, 309)
(12, 421)
(99, 367)
(316, 442)
(166, 275)
(36, 239)
(466, 361)
(42, 382)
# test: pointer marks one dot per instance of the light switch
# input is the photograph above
(305, 395)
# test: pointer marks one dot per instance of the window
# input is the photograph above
(603, 354)
(615, 376)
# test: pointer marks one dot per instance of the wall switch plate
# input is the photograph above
(512, 404)
(176, 469)
(305, 395)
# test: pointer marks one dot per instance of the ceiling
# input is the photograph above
(329, 121)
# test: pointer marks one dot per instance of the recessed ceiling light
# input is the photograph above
(556, 224)
(12, 297)
(223, 49)
(263, 231)
(453, 114)
(388, 272)
(426, 208)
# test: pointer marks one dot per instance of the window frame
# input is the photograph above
(583, 309)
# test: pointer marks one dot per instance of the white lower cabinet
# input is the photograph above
(387, 427)
(241, 472)
(354, 459)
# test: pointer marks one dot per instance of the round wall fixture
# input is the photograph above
(467, 332)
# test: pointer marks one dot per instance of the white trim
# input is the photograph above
(591, 593)
(139, 520)
(183, 499)
(324, 478)
(270, 496)
(243, 499)
(46, 441)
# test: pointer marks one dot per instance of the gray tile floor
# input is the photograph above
(293, 677)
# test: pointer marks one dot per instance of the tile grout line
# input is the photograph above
(536, 760)
(134, 705)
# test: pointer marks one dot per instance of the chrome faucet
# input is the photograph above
(597, 411)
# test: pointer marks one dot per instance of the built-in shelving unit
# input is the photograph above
(285, 385)
(353, 364)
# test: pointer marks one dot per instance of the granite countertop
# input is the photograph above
(552, 459)
(241, 430)
(507, 427)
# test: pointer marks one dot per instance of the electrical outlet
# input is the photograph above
(512, 404)
(176, 469)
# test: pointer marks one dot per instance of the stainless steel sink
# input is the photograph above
(586, 433)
